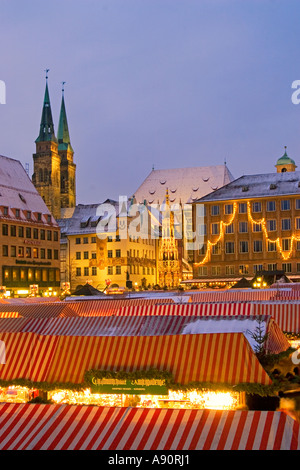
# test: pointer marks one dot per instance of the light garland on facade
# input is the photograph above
(286, 254)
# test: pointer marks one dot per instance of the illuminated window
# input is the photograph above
(21, 252)
(243, 269)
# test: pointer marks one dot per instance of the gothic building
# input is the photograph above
(53, 168)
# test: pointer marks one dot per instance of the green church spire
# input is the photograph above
(64, 142)
(46, 127)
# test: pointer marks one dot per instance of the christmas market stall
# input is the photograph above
(173, 362)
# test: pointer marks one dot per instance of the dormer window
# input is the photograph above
(5, 210)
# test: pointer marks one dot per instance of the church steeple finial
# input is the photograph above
(46, 126)
(63, 135)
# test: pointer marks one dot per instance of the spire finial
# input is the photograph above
(63, 87)
(47, 70)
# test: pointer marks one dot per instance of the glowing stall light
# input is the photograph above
(219, 401)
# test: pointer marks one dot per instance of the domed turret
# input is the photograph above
(285, 163)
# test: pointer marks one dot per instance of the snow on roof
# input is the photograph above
(255, 186)
(16, 188)
(184, 184)
(82, 219)
(238, 324)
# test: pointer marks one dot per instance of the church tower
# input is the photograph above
(67, 166)
(54, 172)
(46, 161)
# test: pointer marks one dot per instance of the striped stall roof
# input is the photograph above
(67, 427)
(286, 314)
(216, 357)
(39, 309)
(86, 308)
(9, 314)
(237, 295)
(189, 309)
(151, 326)
(111, 306)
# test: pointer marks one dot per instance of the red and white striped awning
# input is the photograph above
(217, 357)
(66, 427)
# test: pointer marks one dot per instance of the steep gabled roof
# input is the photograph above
(184, 184)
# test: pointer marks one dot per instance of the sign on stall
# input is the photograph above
(129, 387)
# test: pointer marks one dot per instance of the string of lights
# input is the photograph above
(286, 254)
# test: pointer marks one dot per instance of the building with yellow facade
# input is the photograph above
(112, 258)
(250, 225)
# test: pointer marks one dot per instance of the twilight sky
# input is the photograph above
(169, 83)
